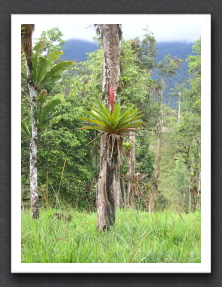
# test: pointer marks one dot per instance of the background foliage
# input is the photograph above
(68, 166)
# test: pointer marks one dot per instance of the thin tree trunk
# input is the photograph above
(110, 146)
(154, 178)
(117, 188)
(33, 160)
(123, 192)
(199, 191)
(154, 186)
(179, 96)
(26, 43)
(131, 189)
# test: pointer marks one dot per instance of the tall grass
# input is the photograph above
(137, 237)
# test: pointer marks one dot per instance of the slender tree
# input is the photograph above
(177, 92)
(166, 68)
(26, 44)
(132, 159)
(41, 71)
(154, 185)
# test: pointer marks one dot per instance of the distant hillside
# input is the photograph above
(178, 49)
(76, 50)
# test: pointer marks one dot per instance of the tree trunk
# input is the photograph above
(199, 191)
(123, 192)
(154, 186)
(33, 163)
(131, 189)
(111, 35)
(109, 166)
(26, 43)
(179, 104)
(110, 145)
(194, 194)
(154, 178)
(117, 187)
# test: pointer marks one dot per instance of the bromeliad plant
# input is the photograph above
(113, 120)
(120, 122)
(115, 124)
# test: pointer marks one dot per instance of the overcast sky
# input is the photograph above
(162, 31)
(165, 27)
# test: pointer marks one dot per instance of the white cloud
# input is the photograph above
(164, 27)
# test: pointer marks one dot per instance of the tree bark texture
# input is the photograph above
(26, 43)
(33, 165)
(111, 35)
(111, 144)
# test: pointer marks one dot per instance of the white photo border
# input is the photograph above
(16, 266)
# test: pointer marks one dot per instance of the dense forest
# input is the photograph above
(141, 129)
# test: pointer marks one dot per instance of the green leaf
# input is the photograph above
(128, 126)
(45, 112)
(26, 128)
(40, 71)
(117, 109)
(91, 128)
(100, 123)
(52, 57)
(105, 112)
(55, 73)
(44, 70)
(95, 115)
(38, 50)
(122, 124)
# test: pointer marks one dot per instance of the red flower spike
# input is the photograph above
(111, 99)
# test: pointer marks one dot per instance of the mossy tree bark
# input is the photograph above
(110, 146)
(26, 43)
(111, 42)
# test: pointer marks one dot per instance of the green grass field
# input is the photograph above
(138, 237)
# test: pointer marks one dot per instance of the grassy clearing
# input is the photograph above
(138, 237)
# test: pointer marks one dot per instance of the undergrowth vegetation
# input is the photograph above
(137, 237)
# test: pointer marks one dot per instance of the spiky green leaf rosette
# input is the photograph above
(119, 122)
